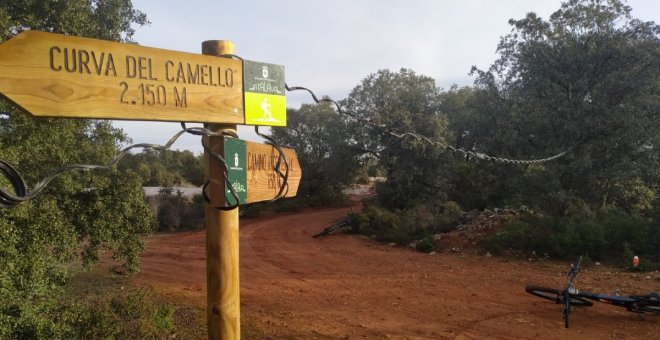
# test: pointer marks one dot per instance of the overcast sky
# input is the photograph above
(331, 45)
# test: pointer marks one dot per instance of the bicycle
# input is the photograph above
(570, 296)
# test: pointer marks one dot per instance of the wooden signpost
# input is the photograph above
(56, 75)
(53, 75)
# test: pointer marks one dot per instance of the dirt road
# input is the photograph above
(341, 286)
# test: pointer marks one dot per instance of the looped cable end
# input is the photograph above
(8, 200)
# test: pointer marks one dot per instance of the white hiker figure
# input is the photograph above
(265, 107)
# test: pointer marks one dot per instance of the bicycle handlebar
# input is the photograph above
(575, 269)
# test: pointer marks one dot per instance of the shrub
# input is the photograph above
(386, 225)
(174, 212)
(426, 245)
(515, 236)
(450, 216)
(604, 236)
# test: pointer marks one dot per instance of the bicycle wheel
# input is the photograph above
(567, 309)
(556, 295)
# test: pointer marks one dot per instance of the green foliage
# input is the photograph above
(426, 245)
(587, 78)
(79, 214)
(177, 213)
(403, 226)
(319, 135)
(605, 236)
(385, 225)
(135, 315)
(102, 19)
(165, 168)
(406, 103)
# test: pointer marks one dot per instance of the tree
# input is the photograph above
(321, 139)
(79, 214)
(101, 19)
(586, 78)
(166, 167)
(400, 103)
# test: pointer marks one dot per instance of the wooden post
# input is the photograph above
(222, 276)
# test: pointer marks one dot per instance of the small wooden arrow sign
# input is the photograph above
(251, 171)
(56, 75)
(263, 182)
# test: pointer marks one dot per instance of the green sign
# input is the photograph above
(235, 152)
(265, 100)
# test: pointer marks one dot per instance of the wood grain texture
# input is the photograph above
(222, 251)
(56, 75)
(263, 183)
(223, 306)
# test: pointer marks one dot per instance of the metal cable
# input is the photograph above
(421, 138)
(22, 194)
(281, 158)
(202, 131)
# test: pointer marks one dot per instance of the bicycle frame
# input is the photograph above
(570, 296)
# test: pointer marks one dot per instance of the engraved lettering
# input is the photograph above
(98, 64)
(52, 58)
(141, 67)
(193, 77)
(167, 70)
(70, 60)
(180, 75)
(205, 74)
(110, 66)
(124, 87)
(83, 59)
(131, 67)
(180, 98)
(229, 77)
(151, 76)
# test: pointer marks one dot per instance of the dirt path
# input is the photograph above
(341, 286)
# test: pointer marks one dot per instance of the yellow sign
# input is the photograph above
(56, 75)
(263, 182)
(265, 101)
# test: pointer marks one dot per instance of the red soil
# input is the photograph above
(345, 286)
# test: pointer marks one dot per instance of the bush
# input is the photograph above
(604, 236)
(515, 236)
(384, 224)
(177, 213)
(124, 316)
(404, 226)
(132, 315)
(426, 245)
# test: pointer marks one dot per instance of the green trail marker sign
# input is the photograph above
(251, 172)
(265, 101)
(235, 157)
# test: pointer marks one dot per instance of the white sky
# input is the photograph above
(330, 46)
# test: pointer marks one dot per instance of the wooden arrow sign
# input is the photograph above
(56, 75)
(263, 182)
(251, 171)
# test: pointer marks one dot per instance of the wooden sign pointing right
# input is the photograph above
(251, 171)
(263, 182)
